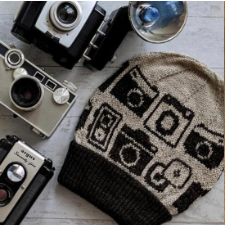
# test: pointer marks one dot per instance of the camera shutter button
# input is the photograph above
(61, 96)
(16, 173)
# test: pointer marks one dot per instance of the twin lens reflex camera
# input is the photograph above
(24, 173)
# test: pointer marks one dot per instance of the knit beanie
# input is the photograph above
(150, 141)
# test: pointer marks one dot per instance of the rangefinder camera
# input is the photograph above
(24, 173)
(31, 94)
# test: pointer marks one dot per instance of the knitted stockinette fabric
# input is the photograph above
(150, 142)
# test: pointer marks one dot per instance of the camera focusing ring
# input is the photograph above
(14, 58)
(65, 16)
(26, 93)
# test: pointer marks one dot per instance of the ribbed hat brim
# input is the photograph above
(110, 189)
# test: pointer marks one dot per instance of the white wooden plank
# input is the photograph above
(202, 38)
(220, 72)
(66, 222)
(206, 9)
(196, 8)
(90, 222)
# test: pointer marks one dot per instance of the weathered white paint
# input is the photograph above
(202, 38)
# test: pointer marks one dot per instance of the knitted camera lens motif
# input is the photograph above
(132, 154)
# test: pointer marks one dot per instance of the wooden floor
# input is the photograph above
(202, 38)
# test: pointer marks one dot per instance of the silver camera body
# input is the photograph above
(31, 94)
(24, 173)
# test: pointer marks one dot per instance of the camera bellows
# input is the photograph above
(150, 141)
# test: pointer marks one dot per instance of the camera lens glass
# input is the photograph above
(3, 195)
(14, 58)
(67, 13)
(26, 92)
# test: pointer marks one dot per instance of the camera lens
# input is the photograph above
(14, 58)
(5, 195)
(65, 16)
(26, 93)
(67, 13)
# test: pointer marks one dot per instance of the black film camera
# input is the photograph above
(24, 173)
(72, 30)
(75, 30)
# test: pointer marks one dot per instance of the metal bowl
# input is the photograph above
(170, 22)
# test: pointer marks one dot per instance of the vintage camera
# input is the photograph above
(32, 94)
(75, 30)
(24, 173)
(63, 29)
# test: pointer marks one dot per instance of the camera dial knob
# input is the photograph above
(19, 72)
(16, 173)
(61, 96)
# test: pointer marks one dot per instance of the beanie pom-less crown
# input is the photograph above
(151, 140)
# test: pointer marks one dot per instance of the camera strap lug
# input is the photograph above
(70, 86)
(92, 42)
(11, 45)
(36, 131)
(101, 32)
(113, 59)
(86, 57)
(93, 45)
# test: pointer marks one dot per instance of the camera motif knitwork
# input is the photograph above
(158, 121)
